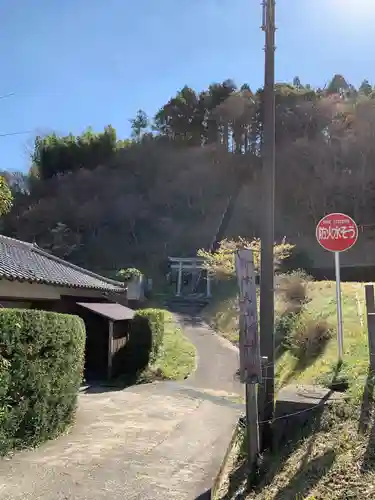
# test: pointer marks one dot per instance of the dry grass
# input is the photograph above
(292, 293)
(222, 312)
(309, 337)
(333, 463)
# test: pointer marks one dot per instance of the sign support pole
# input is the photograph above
(340, 341)
(337, 232)
(253, 444)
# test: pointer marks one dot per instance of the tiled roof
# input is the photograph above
(27, 262)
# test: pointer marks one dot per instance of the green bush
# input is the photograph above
(146, 338)
(41, 368)
(129, 273)
(284, 326)
(156, 320)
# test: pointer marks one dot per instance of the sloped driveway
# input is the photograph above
(149, 442)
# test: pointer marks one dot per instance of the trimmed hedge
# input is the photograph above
(41, 369)
(155, 320)
(146, 338)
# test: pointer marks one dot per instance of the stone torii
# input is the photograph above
(181, 264)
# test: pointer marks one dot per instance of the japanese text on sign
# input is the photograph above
(250, 368)
(336, 233)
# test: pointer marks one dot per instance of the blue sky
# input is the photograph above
(78, 63)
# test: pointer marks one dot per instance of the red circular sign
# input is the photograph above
(336, 232)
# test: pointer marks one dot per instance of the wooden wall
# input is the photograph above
(121, 332)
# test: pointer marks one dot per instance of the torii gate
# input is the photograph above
(181, 264)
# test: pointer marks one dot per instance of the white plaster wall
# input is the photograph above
(25, 290)
(20, 290)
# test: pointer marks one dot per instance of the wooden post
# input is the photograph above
(208, 291)
(261, 403)
(253, 443)
(110, 349)
(370, 308)
(179, 279)
(250, 361)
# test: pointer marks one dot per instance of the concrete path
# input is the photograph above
(217, 357)
(149, 442)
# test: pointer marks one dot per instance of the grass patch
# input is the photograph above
(334, 456)
(177, 356)
(322, 368)
(306, 339)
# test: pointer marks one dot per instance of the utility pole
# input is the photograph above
(267, 315)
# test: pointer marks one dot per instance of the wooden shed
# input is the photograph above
(107, 332)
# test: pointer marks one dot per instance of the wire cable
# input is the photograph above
(22, 132)
(7, 95)
(242, 420)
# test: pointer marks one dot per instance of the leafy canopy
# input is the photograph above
(54, 155)
(139, 124)
(6, 197)
(222, 262)
(161, 191)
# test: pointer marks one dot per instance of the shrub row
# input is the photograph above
(155, 320)
(41, 368)
(146, 339)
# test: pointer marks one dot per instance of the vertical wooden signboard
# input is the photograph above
(250, 361)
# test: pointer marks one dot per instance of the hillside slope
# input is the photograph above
(105, 202)
(143, 207)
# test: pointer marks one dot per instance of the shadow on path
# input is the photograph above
(204, 496)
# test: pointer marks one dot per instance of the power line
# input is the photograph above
(7, 95)
(8, 134)
(23, 132)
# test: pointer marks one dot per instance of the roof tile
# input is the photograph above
(24, 261)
